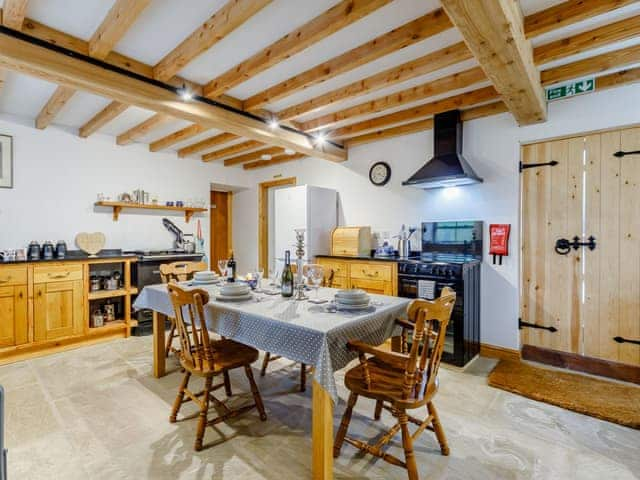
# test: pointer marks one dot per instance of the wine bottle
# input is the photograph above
(287, 276)
(231, 269)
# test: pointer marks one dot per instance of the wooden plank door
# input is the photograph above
(220, 235)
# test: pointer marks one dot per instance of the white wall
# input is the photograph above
(491, 144)
(57, 176)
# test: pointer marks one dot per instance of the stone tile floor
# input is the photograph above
(97, 413)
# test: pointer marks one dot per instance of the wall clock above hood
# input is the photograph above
(448, 167)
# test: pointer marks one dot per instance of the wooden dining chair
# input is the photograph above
(206, 358)
(178, 272)
(400, 382)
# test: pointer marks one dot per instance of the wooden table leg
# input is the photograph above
(158, 345)
(322, 433)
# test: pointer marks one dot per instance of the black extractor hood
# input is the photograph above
(448, 167)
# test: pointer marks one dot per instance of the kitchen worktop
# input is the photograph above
(368, 258)
(78, 256)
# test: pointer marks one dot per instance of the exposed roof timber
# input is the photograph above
(337, 17)
(176, 137)
(396, 39)
(224, 21)
(143, 128)
(440, 86)
(206, 144)
(463, 100)
(274, 161)
(249, 157)
(589, 66)
(13, 13)
(121, 16)
(567, 13)
(623, 77)
(504, 53)
(104, 116)
(581, 42)
(58, 100)
(51, 65)
(232, 150)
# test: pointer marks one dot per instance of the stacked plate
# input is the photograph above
(355, 299)
(234, 292)
(205, 278)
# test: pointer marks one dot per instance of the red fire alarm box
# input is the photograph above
(499, 241)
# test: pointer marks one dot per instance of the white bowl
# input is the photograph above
(352, 293)
(234, 289)
(206, 275)
(353, 301)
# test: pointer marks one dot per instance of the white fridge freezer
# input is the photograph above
(313, 208)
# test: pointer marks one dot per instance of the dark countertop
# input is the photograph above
(77, 256)
(368, 258)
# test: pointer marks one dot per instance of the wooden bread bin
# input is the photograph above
(351, 241)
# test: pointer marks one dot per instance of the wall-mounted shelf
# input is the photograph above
(118, 206)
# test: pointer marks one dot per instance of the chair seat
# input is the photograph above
(229, 355)
(386, 384)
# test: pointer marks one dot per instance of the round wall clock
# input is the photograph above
(380, 173)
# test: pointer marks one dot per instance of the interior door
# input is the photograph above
(582, 300)
(220, 225)
(58, 309)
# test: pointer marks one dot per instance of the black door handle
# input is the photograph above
(626, 340)
(563, 246)
(522, 323)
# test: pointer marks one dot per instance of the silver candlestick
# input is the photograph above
(299, 263)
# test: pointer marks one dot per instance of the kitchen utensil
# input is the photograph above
(169, 204)
(111, 284)
(95, 283)
(33, 252)
(97, 319)
(61, 249)
(21, 254)
(188, 244)
(179, 203)
(109, 312)
(47, 250)
(90, 243)
(236, 288)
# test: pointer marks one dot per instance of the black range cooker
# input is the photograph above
(451, 257)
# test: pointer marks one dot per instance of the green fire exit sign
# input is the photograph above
(571, 89)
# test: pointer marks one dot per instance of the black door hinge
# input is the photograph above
(522, 323)
(524, 166)
(564, 246)
(621, 154)
(626, 340)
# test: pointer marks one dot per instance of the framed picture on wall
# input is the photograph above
(6, 161)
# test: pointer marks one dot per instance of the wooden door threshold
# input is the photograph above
(580, 363)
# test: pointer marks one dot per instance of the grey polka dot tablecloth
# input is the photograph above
(298, 330)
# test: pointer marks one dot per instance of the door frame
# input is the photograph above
(263, 217)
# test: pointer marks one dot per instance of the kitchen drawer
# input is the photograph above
(14, 275)
(337, 282)
(378, 287)
(339, 268)
(372, 271)
(57, 273)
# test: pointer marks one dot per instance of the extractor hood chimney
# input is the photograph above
(448, 167)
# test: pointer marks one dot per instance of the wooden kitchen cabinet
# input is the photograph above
(14, 325)
(379, 277)
(58, 310)
(372, 286)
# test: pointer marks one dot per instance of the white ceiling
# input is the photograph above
(165, 23)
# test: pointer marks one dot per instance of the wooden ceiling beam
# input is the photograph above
(504, 53)
(337, 17)
(224, 21)
(429, 63)
(250, 157)
(274, 161)
(592, 65)
(176, 137)
(206, 144)
(41, 62)
(58, 100)
(232, 150)
(143, 128)
(13, 12)
(461, 101)
(568, 13)
(581, 42)
(104, 116)
(412, 32)
(440, 86)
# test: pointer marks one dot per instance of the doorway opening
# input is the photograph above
(266, 255)
(220, 227)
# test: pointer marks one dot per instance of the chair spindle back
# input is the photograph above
(180, 271)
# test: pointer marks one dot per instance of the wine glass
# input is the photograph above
(222, 266)
(315, 275)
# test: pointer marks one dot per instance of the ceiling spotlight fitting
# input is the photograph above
(185, 93)
(273, 124)
(320, 139)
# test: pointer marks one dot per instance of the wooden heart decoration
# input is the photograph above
(90, 243)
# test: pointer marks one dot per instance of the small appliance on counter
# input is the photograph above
(33, 252)
(61, 249)
(47, 251)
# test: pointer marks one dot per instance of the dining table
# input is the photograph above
(302, 331)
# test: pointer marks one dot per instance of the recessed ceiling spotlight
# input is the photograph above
(289, 151)
(265, 156)
(273, 124)
(185, 93)
(321, 138)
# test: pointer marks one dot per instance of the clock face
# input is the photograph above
(380, 173)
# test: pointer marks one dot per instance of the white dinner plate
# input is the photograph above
(234, 298)
(204, 282)
(342, 306)
(353, 301)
